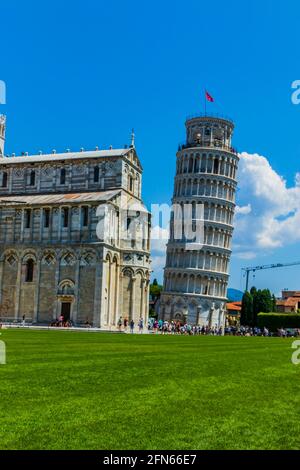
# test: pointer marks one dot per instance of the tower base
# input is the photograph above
(195, 310)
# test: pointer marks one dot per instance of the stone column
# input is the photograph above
(133, 281)
(22, 226)
(198, 315)
(200, 163)
(54, 178)
(59, 213)
(97, 296)
(143, 298)
(18, 289)
(206, 164)
(187, 286)
(41, 223)
(120, 302)
(76, 292)
(70, 210)
(10, 179)
(37, 290)
(69, 174)
(109, 293)
(146, 306)
(104, 303)
(57, 274)
(87, 175)
(117, 295)
(33, 212)
(222, 321)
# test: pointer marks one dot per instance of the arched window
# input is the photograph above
(32, 178)
(85, 216)
(4, 179)
(96, 174)
(65, 217)
(28, 217)
(46, 218)
(29, 270)
(63, 176)
(216, 167)
(130, 183)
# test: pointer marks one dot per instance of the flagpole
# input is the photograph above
(205, 102)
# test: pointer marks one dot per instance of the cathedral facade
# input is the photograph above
(74, 237)
(196, 275)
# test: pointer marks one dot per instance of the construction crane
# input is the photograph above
(266, 266)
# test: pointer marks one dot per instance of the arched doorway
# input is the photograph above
(66, 310)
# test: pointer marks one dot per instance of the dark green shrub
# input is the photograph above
(273, 321)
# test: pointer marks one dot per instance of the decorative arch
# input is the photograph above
(10, 257)
(141, 272)
(128, 272)
(66, 287)
(48, 257)
(88, 258)
(29, 254)
(68, 258)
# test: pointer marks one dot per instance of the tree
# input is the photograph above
(247, 309)
(262, 303)
(253, 291)
(155, 290)
(274, 307)
(255, 302)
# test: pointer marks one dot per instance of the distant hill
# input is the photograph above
(234, 295)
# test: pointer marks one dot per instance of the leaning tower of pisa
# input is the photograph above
(195, 280)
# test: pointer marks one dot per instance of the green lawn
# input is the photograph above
(71, 390)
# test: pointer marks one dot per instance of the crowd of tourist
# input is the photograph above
(178, 328)
(61, 322)
(255, 331)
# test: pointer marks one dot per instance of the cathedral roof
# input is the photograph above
(59, 198)
(53, 157)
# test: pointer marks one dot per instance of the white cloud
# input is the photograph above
(243, 210)
(271, 217)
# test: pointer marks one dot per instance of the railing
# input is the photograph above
(214, 145)
(210, 115)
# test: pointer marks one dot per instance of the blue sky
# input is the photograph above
(81, 74)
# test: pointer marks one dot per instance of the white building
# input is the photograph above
(64, 245)
(195, 281)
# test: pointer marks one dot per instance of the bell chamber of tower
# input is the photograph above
(195, 281)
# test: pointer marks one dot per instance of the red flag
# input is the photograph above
(209, 97)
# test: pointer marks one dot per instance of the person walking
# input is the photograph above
(131, 327)
(23, 320)
(120, 322)
(141, 325)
